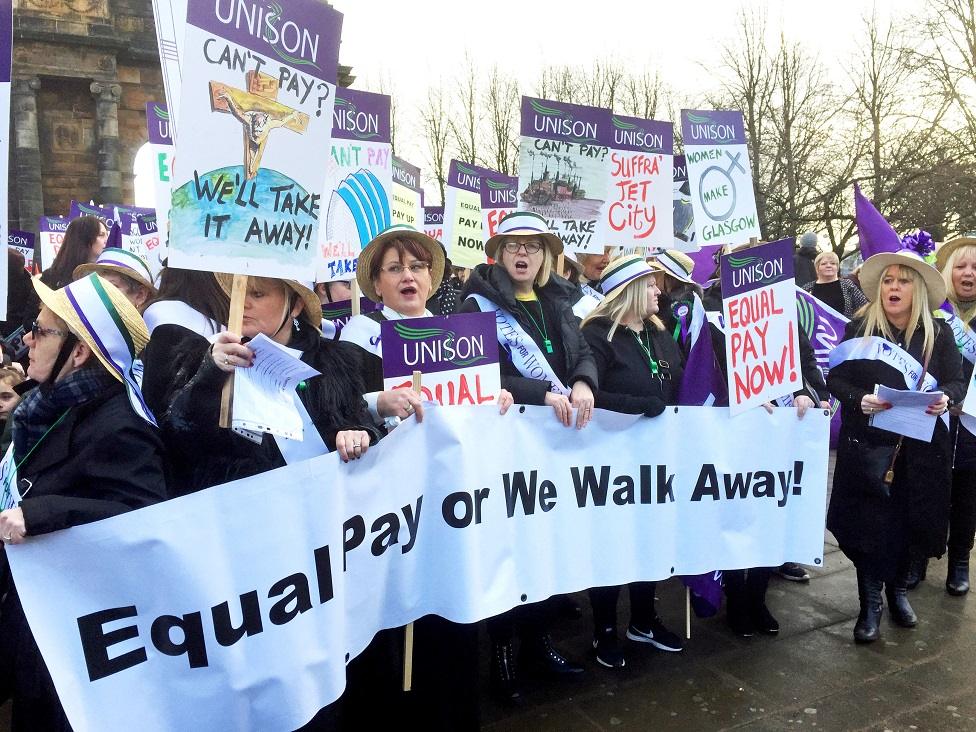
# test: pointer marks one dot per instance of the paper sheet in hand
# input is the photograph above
(907, 414)
(264, 394)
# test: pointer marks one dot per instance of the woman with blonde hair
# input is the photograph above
(831, 289)
(639, 372)
(957, 262)
(890, 499)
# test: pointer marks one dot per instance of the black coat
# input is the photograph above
(571, 359)
(102, 460)
(185, 385)
(963, 441)
(626, 382)
(874, 531)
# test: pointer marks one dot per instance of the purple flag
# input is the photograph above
(824, 327)
(703, 383)
(705, 265)
(873, 229)
(706, 592)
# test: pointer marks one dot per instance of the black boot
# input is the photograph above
(504, 682)
(539, 655)
(898, 606)
(866, 629)
(917, 568)
(757, 582)
(957, 579)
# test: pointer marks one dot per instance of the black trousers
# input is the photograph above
(604, 603)
(962, 513)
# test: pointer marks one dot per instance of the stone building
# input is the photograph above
(83, 71)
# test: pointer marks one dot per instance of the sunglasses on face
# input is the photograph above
(38, 330)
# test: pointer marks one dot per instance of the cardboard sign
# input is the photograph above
(161, 144)
(499, 197)
(339, 312)
(458, 356)
(23, 242)
(50, 234)
(637, 212)
(256, 121)
(463, 234)
(682, 211)
(564, 168)
(759, 304)
(719, 177)
(407, 200)
(434, 222)
(6, 61)
(358, 182)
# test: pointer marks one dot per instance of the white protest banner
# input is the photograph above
(638, 210)
(50, 234)
(457, 355)
(564, 169)
(6, 61)
(682, 211)
(207, 624)
(170, 18)
(463, 236)
(761, 342)
(407, 200)
(434, 222)
(358, 182)
(719, 176)
(267, 75)
(160, 128)
(499, 197)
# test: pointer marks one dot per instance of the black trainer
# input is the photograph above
(608, 652)
(657, 635)
(793, 572)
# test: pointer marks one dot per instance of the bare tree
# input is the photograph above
(465, 121)
(502, 104)
(384, 85)
(641, 94)
(436, 131)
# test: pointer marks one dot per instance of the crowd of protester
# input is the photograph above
(116, 406)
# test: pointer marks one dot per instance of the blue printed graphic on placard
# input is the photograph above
(360, 196)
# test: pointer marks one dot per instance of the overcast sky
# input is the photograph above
(415, 44)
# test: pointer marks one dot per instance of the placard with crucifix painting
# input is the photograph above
(256, 122)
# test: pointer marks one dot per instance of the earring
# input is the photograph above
(294, 322)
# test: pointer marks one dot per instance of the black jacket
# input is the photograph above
(626, 382)
(571, 359)
(803, 269)
(102, 460)
(201, 453)
(873, 530)
(963, 441)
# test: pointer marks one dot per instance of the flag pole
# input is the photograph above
(408, 630)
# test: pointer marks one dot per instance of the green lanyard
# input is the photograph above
(646, 349)
(543, 331)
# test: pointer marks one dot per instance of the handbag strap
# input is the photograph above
(890, 472)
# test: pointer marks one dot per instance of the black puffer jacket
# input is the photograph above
(202, 454)
(571, 359)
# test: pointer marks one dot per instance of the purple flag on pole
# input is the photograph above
(703, 383)
(873, 229)
(706, 592)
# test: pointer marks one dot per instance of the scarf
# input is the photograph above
(44, 405)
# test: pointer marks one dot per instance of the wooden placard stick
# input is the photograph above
(687, 612)
(235, 321)
(560, 261)
(408, 631)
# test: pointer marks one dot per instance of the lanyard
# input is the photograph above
(543, 331)
(655, 370)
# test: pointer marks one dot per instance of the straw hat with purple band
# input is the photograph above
(311, 305)
(523, 223)
(873, 269)
(620, 272)
(943, 252)
(677, 264)
(399, 231)
(119, 260)
(99, 314)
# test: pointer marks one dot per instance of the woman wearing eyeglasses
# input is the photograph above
(552, 365)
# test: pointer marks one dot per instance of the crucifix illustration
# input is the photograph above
(258, 111)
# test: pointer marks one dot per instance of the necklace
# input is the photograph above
(647, 349)
(543, 331)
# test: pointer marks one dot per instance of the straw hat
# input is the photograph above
(523, 223)
(399, 231)
(677, 264)
(311, 305)
(874, 267)
(123, 262)
(943, 252)
(621, 272)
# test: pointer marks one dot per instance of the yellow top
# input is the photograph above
(530, 297)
